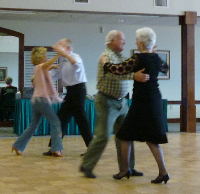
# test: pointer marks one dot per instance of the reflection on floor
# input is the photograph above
(7, 132)
(33, 173)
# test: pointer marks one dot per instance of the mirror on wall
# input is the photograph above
(9, 58)
(12, 57)
(12, 65)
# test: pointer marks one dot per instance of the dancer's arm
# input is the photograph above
(54, 66)
(48, 63)
(125, 67)
(61, 51)
(104, 59)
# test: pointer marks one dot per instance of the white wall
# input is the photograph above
(197, 62)
(177, 7)
(197, 66)
(9, 44)
(89, 43)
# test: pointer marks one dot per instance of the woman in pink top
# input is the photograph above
(44, 94)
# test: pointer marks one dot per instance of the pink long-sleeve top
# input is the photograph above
(43, 85)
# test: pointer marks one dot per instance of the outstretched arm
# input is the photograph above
(63, 52)
(49, 62)
(53, 67)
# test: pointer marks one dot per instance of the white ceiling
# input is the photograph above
(87, 18)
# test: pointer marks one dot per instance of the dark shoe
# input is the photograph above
(161, 179)
(87, 173)
(120, 176)
(49, 153)
(57, 154)
(136, 173)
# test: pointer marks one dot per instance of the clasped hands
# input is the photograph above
(60, 47)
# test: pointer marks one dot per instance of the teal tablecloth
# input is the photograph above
(23, 117)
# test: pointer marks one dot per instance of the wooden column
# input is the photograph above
(188, 109)
(21, 63)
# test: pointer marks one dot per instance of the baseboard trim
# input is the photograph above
(173, 120)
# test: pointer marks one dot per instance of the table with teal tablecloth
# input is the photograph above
(23, 117)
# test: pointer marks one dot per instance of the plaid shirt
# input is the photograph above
(116, 86)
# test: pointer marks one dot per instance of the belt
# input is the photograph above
(110, 97)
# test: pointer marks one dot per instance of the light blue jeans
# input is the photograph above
(41, 107)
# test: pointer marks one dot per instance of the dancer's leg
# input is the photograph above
(23, 140)
(159, 157)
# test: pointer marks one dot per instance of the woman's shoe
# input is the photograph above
(161, 179)
(120, 176)
(57, 154)
(19, 153)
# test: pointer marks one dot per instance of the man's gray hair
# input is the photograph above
(147, 36)
(111, 36)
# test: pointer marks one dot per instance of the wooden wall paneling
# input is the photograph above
(188, 109)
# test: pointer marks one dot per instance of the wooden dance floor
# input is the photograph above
(33, 173)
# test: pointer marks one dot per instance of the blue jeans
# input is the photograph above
(41, 107)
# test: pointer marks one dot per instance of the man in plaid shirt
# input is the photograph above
(111, 105)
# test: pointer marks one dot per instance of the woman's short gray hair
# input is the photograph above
(8, 80)
(111, 36)
(147, 36)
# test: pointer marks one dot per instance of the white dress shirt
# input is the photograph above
(70, 74)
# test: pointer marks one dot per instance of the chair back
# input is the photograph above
(8, 96)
